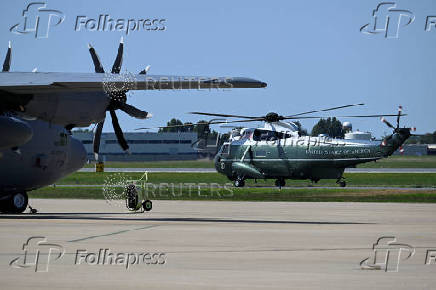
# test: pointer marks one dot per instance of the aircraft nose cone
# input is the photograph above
(77, 155)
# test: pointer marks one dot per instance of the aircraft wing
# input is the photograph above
(42, 82)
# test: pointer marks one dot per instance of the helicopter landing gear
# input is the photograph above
(239, 182)
(341, 182)
(314, 180)
(280, 182)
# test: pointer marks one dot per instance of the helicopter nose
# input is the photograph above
(77, 155)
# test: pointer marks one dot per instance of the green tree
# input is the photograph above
(330, 126)
(173, 122)
(303, 131)
(429, 138)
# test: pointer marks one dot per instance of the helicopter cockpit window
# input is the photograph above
(247, 134)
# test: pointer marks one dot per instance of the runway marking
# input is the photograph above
(111, 234)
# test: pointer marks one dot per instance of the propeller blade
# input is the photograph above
(223, 115)
(118, 132)
(97, 64)
(116, 68)
(132, 111)
(400, 110)
(387, 123)
(7, 63)
(325, 110)
(145, 71)
(97, 137)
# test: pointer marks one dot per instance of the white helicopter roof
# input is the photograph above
(283, 127)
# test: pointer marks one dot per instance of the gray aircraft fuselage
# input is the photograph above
(50, 155)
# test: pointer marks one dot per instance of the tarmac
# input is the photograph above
(219, 245)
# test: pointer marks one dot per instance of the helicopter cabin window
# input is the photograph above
(260, 153)
(268, 135)
(225, 149)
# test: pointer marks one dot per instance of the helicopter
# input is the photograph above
(278, 151)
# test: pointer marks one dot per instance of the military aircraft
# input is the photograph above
(38, 110)
(277, 151)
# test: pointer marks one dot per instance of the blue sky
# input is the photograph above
(311, 54)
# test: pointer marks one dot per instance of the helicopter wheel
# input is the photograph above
(280, 182)
(239, 182)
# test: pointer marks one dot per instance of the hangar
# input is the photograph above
(145, 146)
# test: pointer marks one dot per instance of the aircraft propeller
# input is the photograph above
(7, 62)
(117, 101)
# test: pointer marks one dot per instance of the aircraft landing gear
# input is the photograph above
(280, 182)
(15, 203)
(147, 205)
(341, 182)
(239, 182)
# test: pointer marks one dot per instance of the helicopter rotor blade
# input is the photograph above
(400, 110)
(223, 115)
(354, 116)
(326, 110)
(387, 123)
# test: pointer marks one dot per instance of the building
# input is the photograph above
(143, 146)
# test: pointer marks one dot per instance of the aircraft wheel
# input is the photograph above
(17, 203)
(280, 182)
(147, 205)
(342, 183)
(239, 182)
